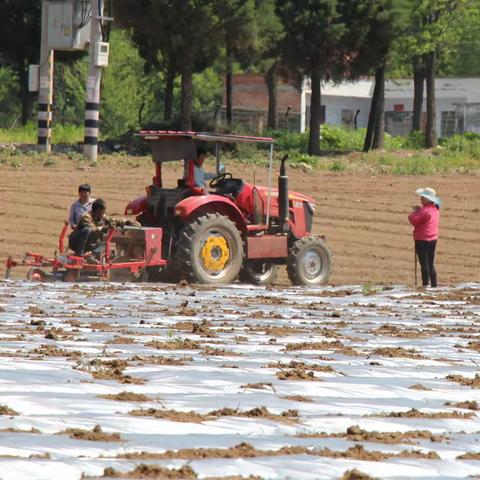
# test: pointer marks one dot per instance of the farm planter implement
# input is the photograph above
(125, 255)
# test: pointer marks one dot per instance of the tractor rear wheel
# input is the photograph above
(259, 273)
(309, 262)
(209, 250)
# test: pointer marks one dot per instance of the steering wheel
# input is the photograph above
(215, 182)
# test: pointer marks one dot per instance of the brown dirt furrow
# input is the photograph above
(362, 216)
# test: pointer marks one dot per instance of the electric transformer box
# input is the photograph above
(68, 24)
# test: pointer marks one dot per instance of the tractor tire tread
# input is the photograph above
(183, 250)
(293, 256)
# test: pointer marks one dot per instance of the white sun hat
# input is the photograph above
(429, 194)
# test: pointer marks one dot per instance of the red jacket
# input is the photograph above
(425, 221)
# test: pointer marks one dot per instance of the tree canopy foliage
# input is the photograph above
(173, 62)
(19, 44)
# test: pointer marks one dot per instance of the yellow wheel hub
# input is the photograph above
(215, 254)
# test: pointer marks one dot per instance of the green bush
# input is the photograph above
(290, 140)
(468, 143)
(340, 139)
(333, 138)
(414, 141)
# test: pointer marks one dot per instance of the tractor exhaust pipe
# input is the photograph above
(283, 203)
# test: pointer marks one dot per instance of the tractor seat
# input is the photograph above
(161, 199)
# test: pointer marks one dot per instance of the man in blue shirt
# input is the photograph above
(82, 206)
(199, 175)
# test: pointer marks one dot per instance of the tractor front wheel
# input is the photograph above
(309, 262)
(209, 250)
(259, 273)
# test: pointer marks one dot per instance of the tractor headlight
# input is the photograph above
(312, 206)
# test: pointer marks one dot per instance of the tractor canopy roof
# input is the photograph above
(171, 145)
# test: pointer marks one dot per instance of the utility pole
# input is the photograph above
(92, 110)
(45, 93)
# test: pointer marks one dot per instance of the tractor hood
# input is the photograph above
(293, 196)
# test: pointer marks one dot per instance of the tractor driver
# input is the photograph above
(198, 179)
(82, 206)
(90, 231)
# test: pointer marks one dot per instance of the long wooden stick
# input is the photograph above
(415, 262)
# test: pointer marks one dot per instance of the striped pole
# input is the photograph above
(45, 93)
(92, 108)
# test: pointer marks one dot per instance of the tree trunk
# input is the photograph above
(315, 114)
(169, 86)
(271, 81)
(229, 90)
(186, 100)
(418, 85)
(431, 130)
(26, 98)
(379, 134)
(372, 116)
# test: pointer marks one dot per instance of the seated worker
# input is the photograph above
(82, 206)
(194, 175)
(92, 227)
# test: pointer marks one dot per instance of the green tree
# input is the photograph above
(326, 39)
(125, 87)
(435, 27)
(238, 26)
(9, 105)
(463, 58)
(70, 76)
(384, 18)
(268, 53)
(313, 30)
(189, 28)
(20, 44)
(127, 92)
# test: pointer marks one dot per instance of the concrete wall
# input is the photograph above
(334, 105)
(341, 101)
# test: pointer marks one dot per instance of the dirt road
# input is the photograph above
(363, 217)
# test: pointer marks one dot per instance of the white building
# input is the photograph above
(457, 102)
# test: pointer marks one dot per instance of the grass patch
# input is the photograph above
(401, 156)
(28, 134)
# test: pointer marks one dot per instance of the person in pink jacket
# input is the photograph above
(426, 220)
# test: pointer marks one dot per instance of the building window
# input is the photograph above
(447, 125)
(347, 117)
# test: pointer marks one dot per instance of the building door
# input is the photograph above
(447, 124)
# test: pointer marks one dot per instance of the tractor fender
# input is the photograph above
(197, 205)
(136, 206)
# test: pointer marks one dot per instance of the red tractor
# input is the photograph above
(235, 228)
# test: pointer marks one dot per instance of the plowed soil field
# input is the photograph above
(363, 217)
